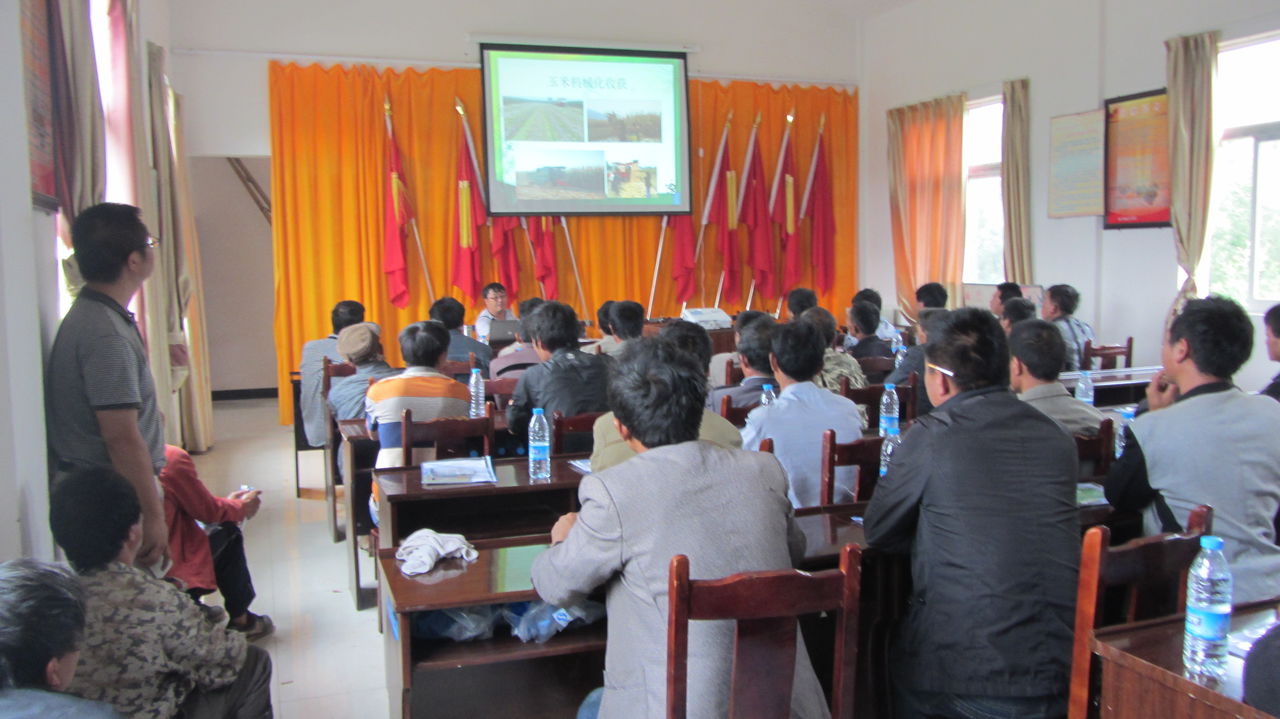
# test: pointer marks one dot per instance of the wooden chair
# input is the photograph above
(449, 436)
(562, 425)
(1150, 573)
(861, 453)
(332, 439)
(501, 391)
(1099, 449)
(732, 373)
(737, 416)
(876, 368)
(1108, 355)
(765, 606)
(870, 395)
(766, 445)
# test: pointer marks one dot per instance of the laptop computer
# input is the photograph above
(503, 330)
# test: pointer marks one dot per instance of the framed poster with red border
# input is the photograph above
(1137, 161)
(39, 97)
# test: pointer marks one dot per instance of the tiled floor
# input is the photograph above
(328, 657)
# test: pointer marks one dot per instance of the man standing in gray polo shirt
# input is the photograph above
(100, 397)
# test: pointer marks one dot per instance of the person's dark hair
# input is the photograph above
(423, 343)
(691, 338)
(755, 342)
(1218, 332)
(555, 325)
(1065, 297)
(1008, 290)
(448, 312)
(345, 314)
(932, 320)
(41, 618)
(1017, 309)
(627, 319)
(866, 317)
(932, 294)
(970, 343)
(104, 236)
(90, 513)
(527, 308)
(1272, 320)
(747, 317)
(822, 319)
(603, 319)
(1039, 345)
(657, 391)
(799, 349)
(868, 295)
(801, 299)
(492, 287)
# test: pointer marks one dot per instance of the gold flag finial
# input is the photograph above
(791, 116)
(729, 119)
(822, 122)
(758, 117)
(457, 105)
(386, 104)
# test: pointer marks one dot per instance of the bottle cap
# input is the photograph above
(1211, 542)
(889, 386)
(768, 387)
(475, 370)
(537, 410)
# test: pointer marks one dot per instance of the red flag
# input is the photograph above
(822, 228)
(722, 210)
(542, 233)
(785, 209)
(471, 217)
(755, 215)
(503, 242)
(396, 217)
(684, 263)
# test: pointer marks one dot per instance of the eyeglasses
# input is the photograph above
(153, 242)
(943, 370)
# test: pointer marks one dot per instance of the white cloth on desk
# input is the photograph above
(421, 550)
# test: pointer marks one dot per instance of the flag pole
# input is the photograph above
(773, 195)
(568, 240)
(706, 207)
(742, 195)
(657, 262)
(471, 147)
(813, 166)
(422, 258)
(524, 225)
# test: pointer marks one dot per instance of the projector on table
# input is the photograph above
(711, 318)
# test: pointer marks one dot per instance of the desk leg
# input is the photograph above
(330, 486)
(399, 666)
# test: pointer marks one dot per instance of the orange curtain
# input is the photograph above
(328, 173)
(926, 196)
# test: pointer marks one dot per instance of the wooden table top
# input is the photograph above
(405, 485)
(1113, 377)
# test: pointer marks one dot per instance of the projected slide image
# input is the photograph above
(624, 121)
(631, 179)
(560, 175)
(542, 119)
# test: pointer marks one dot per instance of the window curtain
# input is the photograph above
(1192, 63)
(926, 196)
(328, 161)
(1015, 181)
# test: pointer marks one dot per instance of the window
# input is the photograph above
(1242, 254)
(983, 203)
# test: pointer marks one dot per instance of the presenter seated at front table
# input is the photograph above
(495, 308)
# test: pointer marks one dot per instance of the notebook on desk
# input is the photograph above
(467, 470)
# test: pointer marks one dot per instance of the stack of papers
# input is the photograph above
(1089, 494)
(468, 470)
(582, 465)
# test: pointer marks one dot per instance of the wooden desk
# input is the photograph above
(501, 676)
(1142, 670)
(1115, 386)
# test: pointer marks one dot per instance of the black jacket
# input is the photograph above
(571, 382)
(982, 492)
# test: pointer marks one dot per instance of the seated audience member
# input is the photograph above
(864, 318)
(495, 308)
(609, 448)
(799, 300)
(884, 328)
(1015, 310)
(720, 362)
(149, 650)
(345, 314)
(1036, 350)
(513, 363)
(1204, 441)
(361, 345)
(421, 388)
(212, 560)
(914, 360)
(1060, 302)
(803, 411)
(568, 380)
(931, 295)
(834, 364)
(754, 346)
(609, 344)
(1262, 673)
(449, 312)
(1272, 322)
(41, 632)
(1005, 291)
(982, 494)
(626, 318)
(657, 392)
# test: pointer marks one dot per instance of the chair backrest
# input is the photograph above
(861, 453)
(870, 395)
(1151, 575)
(332, 370)
(448, 435)
(458, 369)
(576, 424)
(1099, 448)
(765, 606)
(732, 373)
(1108, 354)
(737, 416)
(766, 445)
(501, 391)
(876, 368)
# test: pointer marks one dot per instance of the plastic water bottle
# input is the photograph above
(476, 385)
(888, 447)
(1204, 645)
(889, 410)
(539, 446)
(1126, 416)
(900, 353)
(767, 396)
(1084, 387)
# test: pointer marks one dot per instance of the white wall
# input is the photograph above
(235, 254)
(1076, 55)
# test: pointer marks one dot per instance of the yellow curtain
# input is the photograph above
(328, 172)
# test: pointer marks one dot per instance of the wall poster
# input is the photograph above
(1137, 174)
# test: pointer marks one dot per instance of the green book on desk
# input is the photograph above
(1090, 494)
(468, 470)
